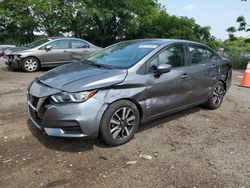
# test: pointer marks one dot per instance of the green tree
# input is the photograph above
(16, 22)
(102, 22)
(51, 16)
(231, 32)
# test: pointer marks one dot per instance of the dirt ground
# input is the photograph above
(194, 148)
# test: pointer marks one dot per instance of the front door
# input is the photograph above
(169, 91)
(58, 54)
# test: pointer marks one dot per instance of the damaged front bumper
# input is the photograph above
(63, 120)
(14, 63)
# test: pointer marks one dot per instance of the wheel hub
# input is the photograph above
(122, 123)
(218, 94)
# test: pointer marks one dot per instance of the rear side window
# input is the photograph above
(60, 44)
(76, 44)
(199, 55)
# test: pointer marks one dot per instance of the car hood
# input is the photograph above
(15, 50)
(75, 77)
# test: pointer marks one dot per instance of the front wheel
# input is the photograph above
(30, 64)
(216, 97)
(119, 123)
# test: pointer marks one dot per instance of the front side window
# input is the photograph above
(60, 44)
(173, 56)
(199, 55)
(76, 44)
(37, 43)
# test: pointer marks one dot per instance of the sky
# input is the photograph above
(218, 14)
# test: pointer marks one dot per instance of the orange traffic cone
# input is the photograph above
(246, 78)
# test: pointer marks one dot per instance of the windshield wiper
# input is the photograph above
(88, 62)
(101, 66)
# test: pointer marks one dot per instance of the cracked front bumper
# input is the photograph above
(70, 120)
(14, 64)
(66, 119)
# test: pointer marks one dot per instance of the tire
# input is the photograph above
(216, 97)
(119, 123)
(30, 64)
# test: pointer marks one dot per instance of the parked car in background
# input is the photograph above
(3, 48)
(246, 55)
(49, 52)
(112, 91)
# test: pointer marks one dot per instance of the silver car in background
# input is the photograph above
(49, 52)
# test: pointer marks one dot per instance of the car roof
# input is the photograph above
(7, 46)
(56, 38)
(160, 41)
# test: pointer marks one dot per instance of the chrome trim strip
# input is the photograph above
(31, 106)
(33, 121)
(40, 103)
(60, 133)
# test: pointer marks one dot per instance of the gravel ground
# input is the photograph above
(193, 148)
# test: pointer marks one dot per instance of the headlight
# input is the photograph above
(73, 97)
(17, 56)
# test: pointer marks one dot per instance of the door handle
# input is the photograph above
(185, 75)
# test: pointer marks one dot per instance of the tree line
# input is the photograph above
(102, 22)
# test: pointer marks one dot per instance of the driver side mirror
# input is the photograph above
(48, 48)
(163, 68)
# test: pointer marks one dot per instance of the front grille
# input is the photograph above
(10, 57)
(43, 108)
(33, 116)
(33, 100)
(37, 108)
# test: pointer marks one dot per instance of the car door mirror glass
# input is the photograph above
(48, 48)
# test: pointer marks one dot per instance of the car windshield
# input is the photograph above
(122, 55)
(36, 43)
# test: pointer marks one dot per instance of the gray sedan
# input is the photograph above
(49, 52)
(113, 91)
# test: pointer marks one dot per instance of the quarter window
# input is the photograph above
(79, 44)
(199, 55)
(60, 44)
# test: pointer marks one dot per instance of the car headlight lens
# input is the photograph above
(17, 56)
(73, 97)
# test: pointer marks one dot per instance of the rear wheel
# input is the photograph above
(30, 64)
(119, 123)
(216, 97)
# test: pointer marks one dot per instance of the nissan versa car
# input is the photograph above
(49, 52)
(111, 92)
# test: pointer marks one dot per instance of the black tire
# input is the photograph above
(30, 64)
(216, 97)
(115, 131)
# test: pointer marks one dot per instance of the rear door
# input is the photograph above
(169, 91)
(79, 49)
(203, 70)
(58, 54)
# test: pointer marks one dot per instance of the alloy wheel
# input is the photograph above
(218, 94)
(30, 64)
(122, 123)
